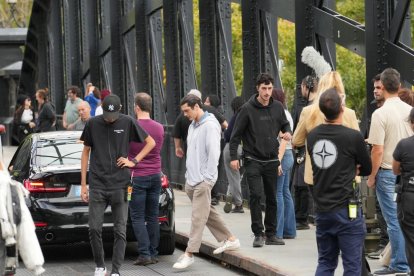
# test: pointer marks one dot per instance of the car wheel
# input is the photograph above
(167, 243)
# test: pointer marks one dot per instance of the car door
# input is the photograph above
(19, 166)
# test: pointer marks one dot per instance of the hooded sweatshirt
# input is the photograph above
(258, 127)
(203, 150)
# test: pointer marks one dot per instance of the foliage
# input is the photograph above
(22, 12)
(237, 52)
(287, 53)
(349, 65)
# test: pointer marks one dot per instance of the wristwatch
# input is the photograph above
(134, 161)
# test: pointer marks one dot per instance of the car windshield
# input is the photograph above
(58, 152)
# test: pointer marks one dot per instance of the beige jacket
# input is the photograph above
(305, 126)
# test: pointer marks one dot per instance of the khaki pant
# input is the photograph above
(203, 214)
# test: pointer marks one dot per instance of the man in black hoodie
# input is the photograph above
(258, 125)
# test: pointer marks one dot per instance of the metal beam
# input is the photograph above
(251, 46)
(208, 47)
(173, 87)
(227, 87)
(186, 28)
(279, 8)
(117, 59)
(55, 57)
(142, 46)
(71, 45)
(304, 36)
(342, 30)
(398, 19)
(402, 58)
(156, 65)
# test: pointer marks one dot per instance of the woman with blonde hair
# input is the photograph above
(311, 116)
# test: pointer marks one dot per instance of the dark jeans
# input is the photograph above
(406, 219)
(262, 176)
(98, 202)
(335, 233)
(301, 204)
(144, 209)
(301, 194)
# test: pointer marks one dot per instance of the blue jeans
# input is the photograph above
(336, 232)
(144, 213)
(286, 222)
(385, 187)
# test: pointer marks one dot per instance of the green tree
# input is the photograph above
(22, 10)
(349, 65)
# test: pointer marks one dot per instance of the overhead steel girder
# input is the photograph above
(342, 30)
(278, 8)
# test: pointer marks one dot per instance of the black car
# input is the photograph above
(48, 165)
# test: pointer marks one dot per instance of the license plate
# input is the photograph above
(75, 191)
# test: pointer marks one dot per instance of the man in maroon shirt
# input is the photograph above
(146, 180)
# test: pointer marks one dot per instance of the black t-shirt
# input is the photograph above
(404, 153)
(335, 151)
(108, 142)
(182, 123)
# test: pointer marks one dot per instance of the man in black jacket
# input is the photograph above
(337, 154)
(258, 125)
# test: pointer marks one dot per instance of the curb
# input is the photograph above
(232, 258)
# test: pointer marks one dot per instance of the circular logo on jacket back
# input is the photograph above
(324, 153)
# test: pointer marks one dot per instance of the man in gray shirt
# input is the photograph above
(203, 153)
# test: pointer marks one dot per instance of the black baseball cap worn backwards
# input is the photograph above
(111, 106)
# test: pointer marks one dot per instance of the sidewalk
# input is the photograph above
(298, 257)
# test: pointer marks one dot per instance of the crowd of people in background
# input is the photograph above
(41, 117)
(317, 156)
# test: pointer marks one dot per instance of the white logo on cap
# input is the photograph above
(111, 107)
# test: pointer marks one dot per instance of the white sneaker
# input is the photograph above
(100, 271)
(228, 245)
(183, 262)
(115, 274)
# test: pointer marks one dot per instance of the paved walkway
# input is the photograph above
(297, 257)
